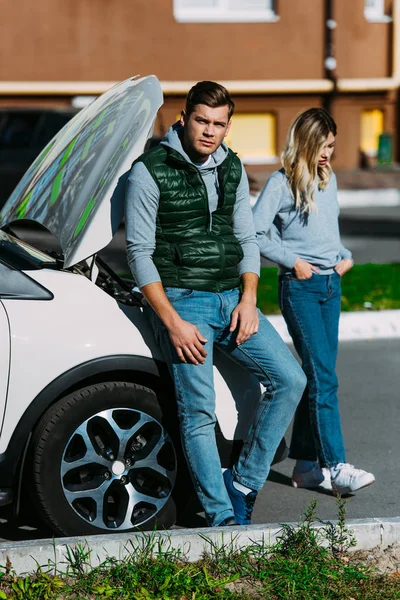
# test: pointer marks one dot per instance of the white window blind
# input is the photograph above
(250, 4)
(374, 10)
(196, 4)
(224, 10)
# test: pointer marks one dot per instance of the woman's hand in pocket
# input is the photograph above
(343, 266)
(303, 269)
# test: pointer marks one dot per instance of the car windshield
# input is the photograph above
(21, 255)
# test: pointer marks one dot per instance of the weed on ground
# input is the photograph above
(308, 561)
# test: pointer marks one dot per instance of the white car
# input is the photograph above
(88, 423)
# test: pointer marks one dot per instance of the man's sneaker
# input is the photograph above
(242, 504)
(316, 477)
(346, 478)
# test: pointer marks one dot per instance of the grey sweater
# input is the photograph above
(284, 234)
(142, 198)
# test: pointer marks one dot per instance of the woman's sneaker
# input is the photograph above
(346, 478)
(316, 477)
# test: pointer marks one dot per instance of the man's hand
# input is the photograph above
(343, 266)
(246, 315)
(303, 269)
(185, 337)
(188, 342)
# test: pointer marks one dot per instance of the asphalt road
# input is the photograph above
(372, 234)
(369, 395)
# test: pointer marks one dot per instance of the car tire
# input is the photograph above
(102, 462)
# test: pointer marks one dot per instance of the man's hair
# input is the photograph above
(211, 94)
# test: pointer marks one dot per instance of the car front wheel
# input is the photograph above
(102, 462)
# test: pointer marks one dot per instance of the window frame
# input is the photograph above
(222, 13)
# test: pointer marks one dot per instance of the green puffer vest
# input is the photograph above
(187, 253)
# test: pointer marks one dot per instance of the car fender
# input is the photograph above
(80, 324)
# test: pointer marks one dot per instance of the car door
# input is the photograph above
(4, 359)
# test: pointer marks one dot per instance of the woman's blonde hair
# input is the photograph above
(306, 138)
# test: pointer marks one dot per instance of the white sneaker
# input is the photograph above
(346, 478)
(314, 478)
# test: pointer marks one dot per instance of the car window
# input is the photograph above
(18, 130)
(15, 285)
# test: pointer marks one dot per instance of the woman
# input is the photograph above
(296, 218)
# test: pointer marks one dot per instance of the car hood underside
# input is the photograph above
(76, 186)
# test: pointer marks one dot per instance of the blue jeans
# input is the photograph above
(311, 309)
(266, 356)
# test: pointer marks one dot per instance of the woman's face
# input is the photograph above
(327, 150)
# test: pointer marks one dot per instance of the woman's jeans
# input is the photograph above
(266, 356)
(311, 309)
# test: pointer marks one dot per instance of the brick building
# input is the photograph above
(276, 57)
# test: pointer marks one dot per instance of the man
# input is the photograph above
(190, 243)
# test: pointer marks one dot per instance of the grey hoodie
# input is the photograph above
(142, 198)
(284, 234)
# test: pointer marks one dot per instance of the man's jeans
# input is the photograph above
(266, 356)
(311, 308)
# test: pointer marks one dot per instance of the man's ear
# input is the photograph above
(228, 128)
(182, 118)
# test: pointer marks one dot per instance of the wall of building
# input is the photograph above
(347, 114)
(99, 40)
(362, 49)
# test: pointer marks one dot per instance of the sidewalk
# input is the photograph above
(356, 189)
(388, 197)
(362, 325)
(368, 179)
(380, 178)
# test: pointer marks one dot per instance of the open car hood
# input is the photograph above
(76, 186)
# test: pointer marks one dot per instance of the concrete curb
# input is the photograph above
(25, 557)
(369, 197)
(360, 198)
(362, 325)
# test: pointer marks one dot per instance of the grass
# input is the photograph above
(365, 287)
(369, 286)
(305, 563)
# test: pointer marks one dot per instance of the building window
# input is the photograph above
(371, 129)
(253, 137)
(374, 11)
(212, 11)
